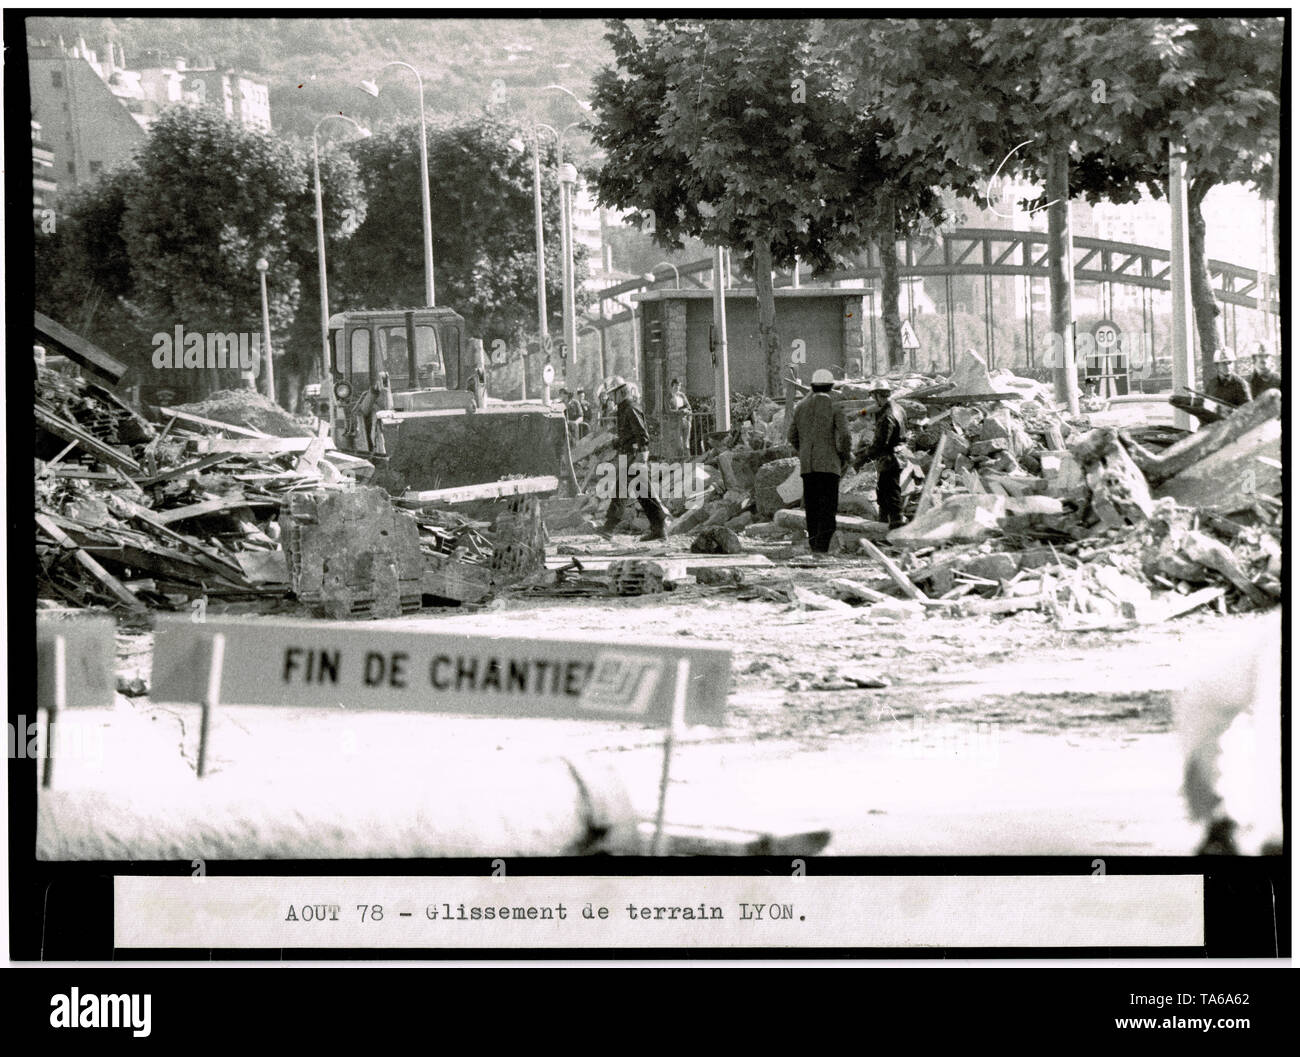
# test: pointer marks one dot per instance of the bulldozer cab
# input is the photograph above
(410, 396)
(412, 353)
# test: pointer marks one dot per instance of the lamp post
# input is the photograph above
(327, 375)
(677, 276)
(372, 88)
(269, 372)
(568, 177)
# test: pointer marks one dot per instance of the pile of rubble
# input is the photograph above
(1012, 504)
(134, 514)
(233, 500)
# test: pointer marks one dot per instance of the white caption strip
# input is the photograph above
(632, 912)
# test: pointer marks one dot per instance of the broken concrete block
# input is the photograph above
(790, 519)
(712, 577)
(689, 521)
(984, 448)
(996, 425)
(791, 489)
(738, 466)
(716, 540)
(971, 378)
(635, 576)
(967, 517)
(856, 504)
(1120, 495)
(1229, 479)
(954, 447)
(722, 510)
(764, 530)
(741, 521)
(766, 482)
(351, 553)
(992, 566)
(967, 419)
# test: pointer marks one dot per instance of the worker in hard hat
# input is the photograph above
(887, 449)
(820, 433)
(1225, 391)
(1261, 378)
(633, 444)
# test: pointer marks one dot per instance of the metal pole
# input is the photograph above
(542, 329)
(1180, 281)
(636, 341)
(268, 373)
(327, 378)
(722, 382)
(427, 203)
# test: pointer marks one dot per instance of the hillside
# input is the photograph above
(313, 66)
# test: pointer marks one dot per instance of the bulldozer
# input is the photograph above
(410, 397)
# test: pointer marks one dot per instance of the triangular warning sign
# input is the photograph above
(909, 336)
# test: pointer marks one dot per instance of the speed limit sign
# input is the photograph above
(1105, 335)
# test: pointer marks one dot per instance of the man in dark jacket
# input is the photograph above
(1261, 378)
(633, 443)
(820, 432)
(890, 435)
(1226, 390)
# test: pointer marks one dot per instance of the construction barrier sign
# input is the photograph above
(336, 665)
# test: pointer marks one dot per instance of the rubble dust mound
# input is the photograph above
(250, 409)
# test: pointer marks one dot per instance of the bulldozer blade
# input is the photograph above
(428, 450)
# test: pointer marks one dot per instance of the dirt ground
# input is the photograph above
(993, 735)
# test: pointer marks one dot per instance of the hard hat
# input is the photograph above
(614, 384)
(823, 377)
(880, 386)
(1225, 355)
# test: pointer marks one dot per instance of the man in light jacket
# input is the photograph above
(820, 433)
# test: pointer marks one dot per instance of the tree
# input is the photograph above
(738, 133)
(1214, 86)
(83, 269)
(212, 196)
(960, 94)
(485, 266)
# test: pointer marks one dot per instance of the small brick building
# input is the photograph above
(676, 327)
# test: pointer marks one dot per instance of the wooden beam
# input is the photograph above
(253, 445)
(307, 462)
(208, 506)
(590, 444)
(211, 423)
(895, 573)
(109, 581)
(76, 348)
(492, 490)
(68, 431)
(932, 475)
(189, 468)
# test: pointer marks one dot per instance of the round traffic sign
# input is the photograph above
(1105, 335)
(548, 374)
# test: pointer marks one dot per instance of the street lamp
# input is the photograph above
(269, 373)
(372, 88)
(568, 175)
(677, 276)
(327, 375)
